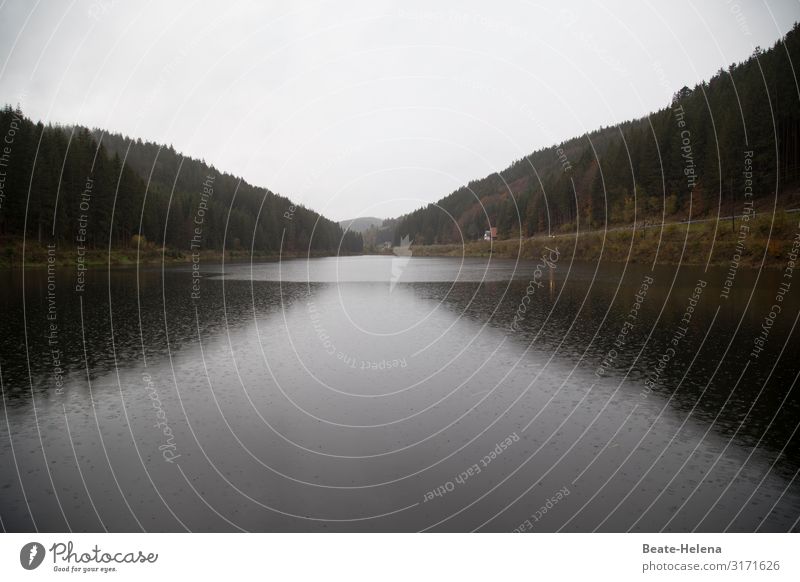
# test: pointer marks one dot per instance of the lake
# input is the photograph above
(380, 393)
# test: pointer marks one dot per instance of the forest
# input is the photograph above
(714, 148)
(731, 139)
(69, 186)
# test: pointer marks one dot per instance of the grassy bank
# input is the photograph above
(37, 255)
(690, 244)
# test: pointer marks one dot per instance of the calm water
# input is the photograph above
(377, 393)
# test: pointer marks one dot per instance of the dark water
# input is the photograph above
(379, 394)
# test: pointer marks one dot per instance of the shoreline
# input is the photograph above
(740, 244)
(37, 257)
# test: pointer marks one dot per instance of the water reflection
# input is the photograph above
(313, 395)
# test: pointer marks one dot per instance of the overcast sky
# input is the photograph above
(366, 108)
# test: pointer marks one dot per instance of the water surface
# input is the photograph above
(395, 394)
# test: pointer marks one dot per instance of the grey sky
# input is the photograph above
(366, 108)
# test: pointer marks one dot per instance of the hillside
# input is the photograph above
(72, 187)
(711, 152)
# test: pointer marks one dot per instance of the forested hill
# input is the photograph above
(59, 183)
(688, 158)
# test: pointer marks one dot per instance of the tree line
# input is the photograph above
(738, 132)
(55, 179)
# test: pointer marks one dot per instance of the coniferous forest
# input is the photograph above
(693, 158)
(70, 185)
(696, 157)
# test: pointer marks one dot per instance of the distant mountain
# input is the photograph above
(733, 139)
(360, 224)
